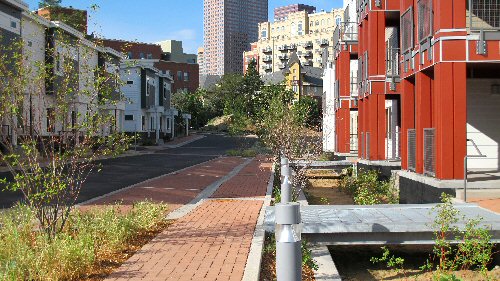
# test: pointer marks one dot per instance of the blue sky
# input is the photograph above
(156, 20)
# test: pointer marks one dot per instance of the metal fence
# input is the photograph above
(483, 15)
(424, 20)
(412, 150)
(393, 146)
(430, 152)
(354, 143)
(407, 27)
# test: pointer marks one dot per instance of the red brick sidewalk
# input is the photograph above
(210, 243)
(490, 204)
(174, 189)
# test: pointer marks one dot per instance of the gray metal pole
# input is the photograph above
(286, 186)
(288, 242)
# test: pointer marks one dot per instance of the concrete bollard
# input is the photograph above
(288, 242)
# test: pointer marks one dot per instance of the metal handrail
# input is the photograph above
(479, 155)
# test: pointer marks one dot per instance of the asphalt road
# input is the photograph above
(122, 172)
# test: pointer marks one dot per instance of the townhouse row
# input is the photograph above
(415, 86)
(141, 90)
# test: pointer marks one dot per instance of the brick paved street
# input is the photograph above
(175, 189)
(213, 241)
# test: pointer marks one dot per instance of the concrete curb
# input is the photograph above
(184, 143)
(206, 193)
(141, 183)
(254, 260)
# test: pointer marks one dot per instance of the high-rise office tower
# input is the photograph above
(229, 28)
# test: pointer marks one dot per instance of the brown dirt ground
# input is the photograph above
(327, 189)
(353, 263)
(268, 266)
(106, 264)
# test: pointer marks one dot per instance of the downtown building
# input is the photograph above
(308, 35)
(414, 90)
(229, 28)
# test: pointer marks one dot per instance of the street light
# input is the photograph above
(286, 186)
(288, 234)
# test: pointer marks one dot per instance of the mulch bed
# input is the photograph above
(105, 265)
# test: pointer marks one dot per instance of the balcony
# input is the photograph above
(283, 48)
(292, 47)
(354, 87)
(267, 59)
(392, 62)
(267, 50)
(308, 54)
(324, 42)
(308, 44)
(267, 67)
(483, 15)
(283, 57)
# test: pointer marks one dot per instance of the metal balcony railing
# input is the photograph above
(430, 152)
(354, 87)
(267, 50)
(292, 47)
(425, 16)
(483, 15)
(412, 150)
(283, 48)
(309, 44)
(283, 57)
(392, 62)
(407, 27)
(267, 59)
(393, 145)
(353, 143)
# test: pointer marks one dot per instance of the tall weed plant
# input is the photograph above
(367, 189)
(27, 253)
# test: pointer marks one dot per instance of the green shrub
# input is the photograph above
(366, 189)
(29, 254)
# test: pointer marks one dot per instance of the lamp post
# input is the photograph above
(286, 186)
(288, 242)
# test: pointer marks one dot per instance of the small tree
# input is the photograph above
(49, 3)
(56, 123)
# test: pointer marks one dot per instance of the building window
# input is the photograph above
(129, 55)
(51, 120)
(263, 34)
(30, 43)
(150, 56)
(73, 119)
(338, 20)
(141, 56)
(130, 82)
(179, 75)
(300, 28)
(151, 124)
(186, 76)
(168, 123)
(143, 122)
(129, 117)
(13, 24)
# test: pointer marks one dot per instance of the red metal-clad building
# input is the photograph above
(429, 92)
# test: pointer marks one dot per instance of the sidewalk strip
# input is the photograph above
(252, 268)
(206, 193)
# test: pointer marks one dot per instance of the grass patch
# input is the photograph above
(86, 248)
(247, 153)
